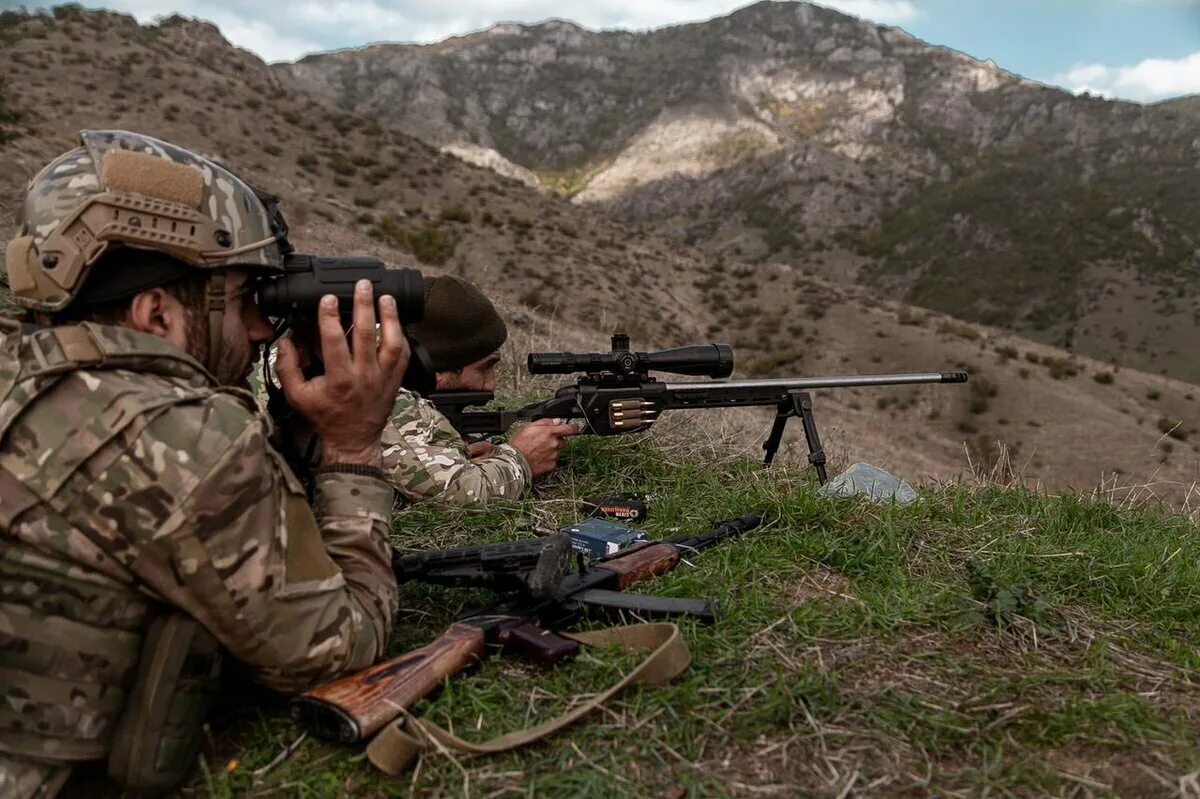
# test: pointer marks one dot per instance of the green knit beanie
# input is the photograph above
(460, 325)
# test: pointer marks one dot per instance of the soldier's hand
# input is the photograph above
(540, 443)
(350, 403)
(480, 449)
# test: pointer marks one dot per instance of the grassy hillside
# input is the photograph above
(1003, 242)
(986, 639)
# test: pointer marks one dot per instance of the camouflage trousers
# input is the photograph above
(25, 779)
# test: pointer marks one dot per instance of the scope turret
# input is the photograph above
(701, 360)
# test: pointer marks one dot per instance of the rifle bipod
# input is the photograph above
(797, 403)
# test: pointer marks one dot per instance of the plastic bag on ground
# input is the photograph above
(863, 479)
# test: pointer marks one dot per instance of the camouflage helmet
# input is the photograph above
(130, 190)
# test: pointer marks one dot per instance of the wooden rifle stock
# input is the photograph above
(356, 707)
(641, 563)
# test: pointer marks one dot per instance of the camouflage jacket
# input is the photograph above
(425, 458)
(127, 479)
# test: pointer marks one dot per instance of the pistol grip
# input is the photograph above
(531, 642)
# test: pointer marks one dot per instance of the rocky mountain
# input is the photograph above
(567, 277)
(790, 133)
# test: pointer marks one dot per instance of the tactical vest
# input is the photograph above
(70, 632)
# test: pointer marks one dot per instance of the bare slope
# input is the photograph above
(569, 277)
(349, 185)
(786, 130)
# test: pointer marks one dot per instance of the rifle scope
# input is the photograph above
(704, 360)
(307, 278)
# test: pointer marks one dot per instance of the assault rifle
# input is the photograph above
(356, 707)
(617, 394)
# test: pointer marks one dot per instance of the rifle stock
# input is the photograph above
(641, 563)
(356, 707)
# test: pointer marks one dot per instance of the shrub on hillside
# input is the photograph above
(429, 243)
(8, 117)
(960, 330)
(1006, 352)
(342, 165)
(456, 213)
(1172, 428)
(981, 392)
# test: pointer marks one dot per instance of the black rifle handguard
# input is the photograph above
(534, 568)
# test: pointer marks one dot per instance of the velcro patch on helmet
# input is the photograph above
(142, 173)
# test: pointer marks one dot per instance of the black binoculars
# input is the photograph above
(293, 297)
(308, 278)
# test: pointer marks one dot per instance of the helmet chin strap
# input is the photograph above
(216, 319)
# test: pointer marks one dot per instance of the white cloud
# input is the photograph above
(1147, 81)
(264, 40)
(351, 18)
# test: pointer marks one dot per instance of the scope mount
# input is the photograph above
(628, 367)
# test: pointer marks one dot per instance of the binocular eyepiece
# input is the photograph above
(307, 278)
(701, 360)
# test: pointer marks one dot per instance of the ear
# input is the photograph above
(439, 380)
(160, 314)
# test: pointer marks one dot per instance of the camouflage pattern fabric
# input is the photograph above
(23, 779)
(425, 458)
(67, 181)
(127, 479)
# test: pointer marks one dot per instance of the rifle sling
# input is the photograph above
(397, 745)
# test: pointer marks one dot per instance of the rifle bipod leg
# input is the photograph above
(816, 452)
(797, 403)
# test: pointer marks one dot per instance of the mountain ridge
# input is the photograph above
(789, 132)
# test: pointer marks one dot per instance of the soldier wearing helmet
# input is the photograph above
(146, 524)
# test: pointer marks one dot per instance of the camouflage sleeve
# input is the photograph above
(297, 598)
(425, 458)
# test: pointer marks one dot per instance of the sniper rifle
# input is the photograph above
(358, 706)
(617, 394)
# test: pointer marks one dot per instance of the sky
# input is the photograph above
(1141, 50)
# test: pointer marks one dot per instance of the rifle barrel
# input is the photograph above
(835, 381)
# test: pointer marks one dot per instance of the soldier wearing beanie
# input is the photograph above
(424, 457)
(461, 327)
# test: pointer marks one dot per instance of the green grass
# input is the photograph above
(983, 641)
(571, 181)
